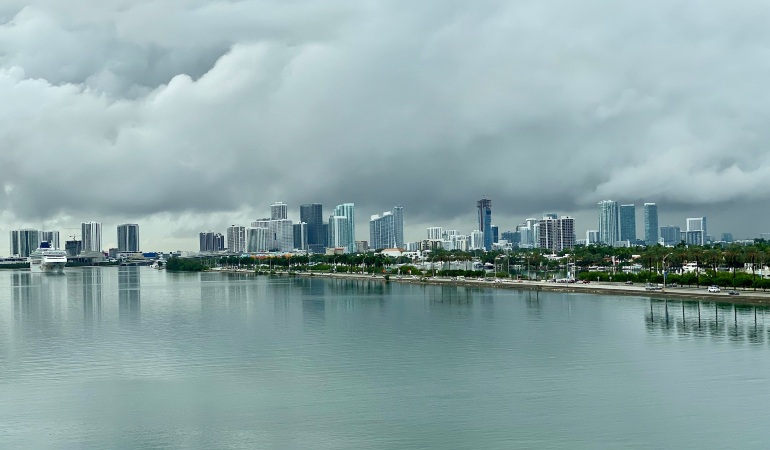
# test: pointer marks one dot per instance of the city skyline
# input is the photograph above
(464, 231)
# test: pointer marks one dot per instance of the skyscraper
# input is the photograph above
(338, 232)
(384, 229)
(347, 210)
(24, 242)
(628, 223)
(697, 224)
(650, 224)
(484, 207)
(211, 241)
(128, 237)
(435, 233)
(91, 235)
(256, 239)
(671, 235)
(557, 234)
(236, 239)
(278, 211)
(300, 236)
(609, 231)
(280, 235)
(476, 239)
(398, 222)
(312, 215)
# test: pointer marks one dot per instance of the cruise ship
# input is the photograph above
(46, 259)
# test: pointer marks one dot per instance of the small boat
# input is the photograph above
(47, 259)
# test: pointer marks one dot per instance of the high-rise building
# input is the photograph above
(256, 239)
(279, 211)
(236, 239)
(128, 238)
(592, 237)
(384, 229)
(609, 230)
(398, 223)
(628, 223)
(557, 234)
(300, 236)
(513, 237)
(435, 233)
(693, 237)
(24, 242)
(476, 240)
(671, 235)
(91, 235)
(650, 224)
(338, 232)
(211, 241)
(697, 224)
(312, 215)
(484, 207)
(495, 234)
(348, 211)
(280, 235)
(52, 237)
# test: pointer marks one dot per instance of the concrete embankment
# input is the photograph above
(744, 297)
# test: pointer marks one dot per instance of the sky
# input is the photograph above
(190, 115)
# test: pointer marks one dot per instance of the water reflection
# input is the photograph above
(716, 321)
(129, 294)
(91, 284)
(37, 300)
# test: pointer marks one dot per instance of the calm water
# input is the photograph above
(137, 358)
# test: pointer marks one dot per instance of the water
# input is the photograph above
(138, 358)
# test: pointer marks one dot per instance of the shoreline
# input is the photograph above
(749, 298)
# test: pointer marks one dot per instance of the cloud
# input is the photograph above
(211, 109)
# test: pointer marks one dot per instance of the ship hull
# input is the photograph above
(46, 267)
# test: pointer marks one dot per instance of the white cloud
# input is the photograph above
(148, 109)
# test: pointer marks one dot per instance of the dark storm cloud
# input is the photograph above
(140, 108)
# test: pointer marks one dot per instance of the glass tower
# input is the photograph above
(609, 231)
(628, 223)
(650, 223)
(484, 207)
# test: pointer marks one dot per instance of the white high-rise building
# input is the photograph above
(384, 229)
(592, 237)
(279, 211)
(236, 239)
(280, 236)
(476, 240)
(256, 239)
(348, 210)
(609, 226)
(460, 242)
(338, 232)
(697, 224)
(91, 235)
(557, 234)
(435, 233)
